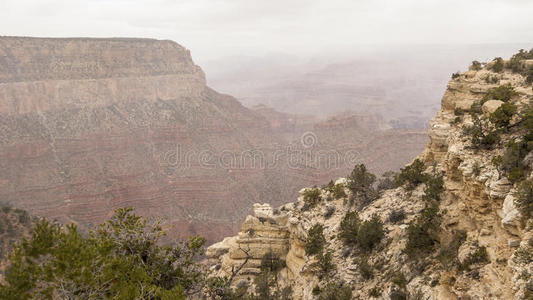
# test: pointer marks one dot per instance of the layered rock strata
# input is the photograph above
(478, 200)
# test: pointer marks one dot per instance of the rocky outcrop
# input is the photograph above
(478, 201)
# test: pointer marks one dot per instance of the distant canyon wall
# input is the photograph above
(90, 125)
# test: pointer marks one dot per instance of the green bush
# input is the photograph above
(370, 233)
(360, 183)
(497, 66)
(481, 139)
(397, 215)
(349, 228)
(312, 196)
(503, 115)
(456, 75)
(476, 65)
(330, 210)
(335, 291)
(529, 75)
(315, 240)
(527, 119)
(503, 93)
(365, 235)
(397, 295)
(434, 187)
(120, 260)
(375, 292)
(365, 269)
(422, 232)
(479, 256)
(338, 191)
(524, 199)
(511, 161)
(325, 264)
(412, 175)
(515, 63)
(492, 79)
(399, 280)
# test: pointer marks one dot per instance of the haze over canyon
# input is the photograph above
(90, 125)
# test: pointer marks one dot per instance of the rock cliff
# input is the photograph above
(90, 125)
(463, 237)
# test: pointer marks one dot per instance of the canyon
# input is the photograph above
(464, 233)
(89, 125)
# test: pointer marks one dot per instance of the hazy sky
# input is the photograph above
(217, 28)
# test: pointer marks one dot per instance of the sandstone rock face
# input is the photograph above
(478, 200)
(491, 106)
(260, 234)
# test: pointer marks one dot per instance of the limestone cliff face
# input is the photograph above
(39, 75)
(89, 125)
(478, 200)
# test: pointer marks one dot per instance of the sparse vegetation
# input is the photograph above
(524, 199)
(324, 263)
(330, 210)
(397, 295)
(523, 255)
(312, 196)
(515, 63)
(412, 175)
(335, 291)
(497, 65)
(511, 161)
(399, 280)
(349, 228)
(375, 292)
(422, 232)
(434, 187)
(479, 256)
(360, 183)
(476, 65)
(449, 250)
(365, 269)
(315, 240)
(503, 93)
(456, 75)
(502, 116)
(492, 79)
(480, 138)
(397, 215)
(370, 233)
(364, 234)
(338, 191)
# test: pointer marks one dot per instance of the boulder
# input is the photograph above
(491, 106)
(510, 214)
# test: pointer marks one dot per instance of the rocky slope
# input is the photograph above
(90, 125)
(470, 240)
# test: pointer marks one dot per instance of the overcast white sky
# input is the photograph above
(217, 28)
